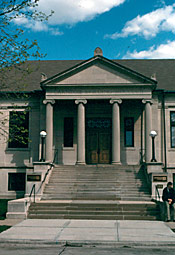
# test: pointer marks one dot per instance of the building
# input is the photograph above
(97, 111)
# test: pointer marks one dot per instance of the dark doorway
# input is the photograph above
(98, 141)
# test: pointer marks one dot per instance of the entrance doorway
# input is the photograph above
(98, 141)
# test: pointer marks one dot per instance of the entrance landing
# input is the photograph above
(89, 232)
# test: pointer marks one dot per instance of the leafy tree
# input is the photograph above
(16, 49)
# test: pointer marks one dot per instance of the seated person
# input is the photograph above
(169, 200)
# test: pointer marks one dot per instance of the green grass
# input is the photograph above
(3, 228)
(3, 208)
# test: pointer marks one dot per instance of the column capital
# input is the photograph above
(145, 101)
(113, 101)
(49, 101)
(81, 101)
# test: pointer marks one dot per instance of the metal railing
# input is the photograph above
(33, 190)
(157, 194)
(43, 181)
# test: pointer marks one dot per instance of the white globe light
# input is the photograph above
(153, 133)
(43, 133)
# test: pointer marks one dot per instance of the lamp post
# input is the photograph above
(153, 134)
(43, 136)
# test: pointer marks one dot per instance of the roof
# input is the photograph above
(163, 69)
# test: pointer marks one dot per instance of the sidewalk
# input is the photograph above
(89, 232)
(10, 222)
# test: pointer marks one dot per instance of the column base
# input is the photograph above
(80, 163)
(115, 163)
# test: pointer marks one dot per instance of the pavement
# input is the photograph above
(93, 232)
(9, 222)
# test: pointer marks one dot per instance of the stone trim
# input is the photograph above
(49, 101)
(81, 101)
(145, 101)
(118, 101)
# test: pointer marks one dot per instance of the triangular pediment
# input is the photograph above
(98, 70)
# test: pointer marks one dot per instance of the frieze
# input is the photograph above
(95, 90)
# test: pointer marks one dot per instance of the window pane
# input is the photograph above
(173, 136)
(18, 129)
(68, 132)
(16, 181)
(129, 138)
(129, 131)
(173, 117)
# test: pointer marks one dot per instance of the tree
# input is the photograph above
(15, 48)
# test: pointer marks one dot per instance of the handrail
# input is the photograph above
(157, 193)
(33, 191)
(55, 155)
(48, 170)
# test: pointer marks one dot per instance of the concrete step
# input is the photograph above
(96, 217)
(82, 209)
(97, 193)
(91, 185)
(95, 204)
(93, 211)
(114, 198)
(93, 188)
(107, 191)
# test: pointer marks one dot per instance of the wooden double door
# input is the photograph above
(98, 147)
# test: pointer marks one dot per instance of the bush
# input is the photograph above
(3, 208)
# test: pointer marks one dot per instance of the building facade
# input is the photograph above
(97, 111)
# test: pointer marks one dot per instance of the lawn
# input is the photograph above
(3, 228)
(3, 208)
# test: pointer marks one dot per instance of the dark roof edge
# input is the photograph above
(164, 91)
(22, 92)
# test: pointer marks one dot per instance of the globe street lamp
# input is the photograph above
(43, 136)
(153, 134)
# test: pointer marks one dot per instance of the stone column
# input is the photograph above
(115, 130)
(81, 132)
(49, 129)
(148, 127)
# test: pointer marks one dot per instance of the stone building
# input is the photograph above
(97, 111)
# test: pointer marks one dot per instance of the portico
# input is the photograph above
(114, 87)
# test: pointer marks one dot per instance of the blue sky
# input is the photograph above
(122, 28)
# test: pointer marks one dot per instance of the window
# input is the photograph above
(68, 132)
(16, 181)
(18, 129)
(172, 126)
(129, 132)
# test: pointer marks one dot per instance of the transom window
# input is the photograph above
(129, 131)
(172, 127)
(99, 123)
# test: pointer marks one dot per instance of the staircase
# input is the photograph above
(96, 192)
